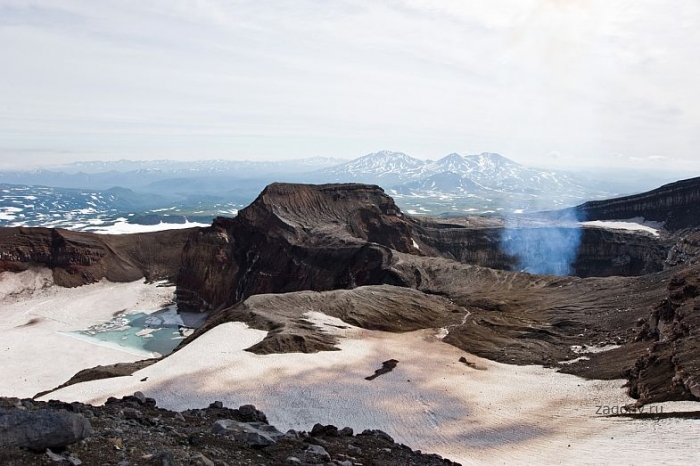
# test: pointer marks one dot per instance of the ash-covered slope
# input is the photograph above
(80, 258)
(677, 205)
(384, 307)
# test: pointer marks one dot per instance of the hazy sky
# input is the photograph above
(550, 82)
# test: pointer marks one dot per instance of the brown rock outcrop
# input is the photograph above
(78, 258)
(670, 369)
(292, 238)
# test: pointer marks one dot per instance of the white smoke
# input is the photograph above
(545, 250)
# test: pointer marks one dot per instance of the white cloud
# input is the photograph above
(277, 79)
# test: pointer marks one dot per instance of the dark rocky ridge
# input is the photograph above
(80, 258)
(307, 237)
(677, 205)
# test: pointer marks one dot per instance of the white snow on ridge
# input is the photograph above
(632, 224)
(8, 213)
(122, 227)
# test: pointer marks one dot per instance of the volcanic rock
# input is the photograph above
(676, 205)
(39, 430)
(332, 238)
(167, 442)
(306, 237)
(599, 252)
(670, 369)
(79, 258)
(291, 238)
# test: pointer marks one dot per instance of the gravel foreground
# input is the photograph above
(134, 431)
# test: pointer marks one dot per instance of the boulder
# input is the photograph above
(257, 435)
(316, 454)
(39, 430)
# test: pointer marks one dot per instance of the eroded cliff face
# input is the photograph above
(292, 238)
(80, 258)
(677, 205)
(670, 369)
(598, 253)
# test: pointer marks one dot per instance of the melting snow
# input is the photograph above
(633, 224)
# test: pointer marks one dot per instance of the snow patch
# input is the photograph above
(122, 227)
(632, 224)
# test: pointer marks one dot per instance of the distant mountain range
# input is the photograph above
(453, 185)
(453, 173)
(480, 183)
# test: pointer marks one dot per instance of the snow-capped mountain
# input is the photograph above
(486, 171)
(384, 168)
(496, 172)
(485, 182)
(453, 163)
(442, 183)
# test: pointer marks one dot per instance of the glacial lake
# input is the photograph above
(148, 334)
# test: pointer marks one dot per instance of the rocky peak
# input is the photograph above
(312, 206)
(295, 237)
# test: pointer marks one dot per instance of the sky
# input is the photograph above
(550, 83)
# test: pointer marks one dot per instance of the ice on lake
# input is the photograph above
(149, 334)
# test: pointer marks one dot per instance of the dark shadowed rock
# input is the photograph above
(377, 433)
(163, 458)
(327, 431)
(104, 372)
(387, 366)
(250, 413)
(39, 430)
